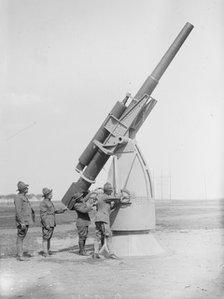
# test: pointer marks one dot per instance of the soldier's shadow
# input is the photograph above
(74, 249)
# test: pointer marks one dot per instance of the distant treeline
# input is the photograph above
(30, 196)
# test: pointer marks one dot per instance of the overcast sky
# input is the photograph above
(64, 64)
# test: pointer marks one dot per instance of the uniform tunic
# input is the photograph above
(102, 219)
(47, 213)
(83, 219)
(82, 210)
(104, 208)
(23, 210)
(47, 216)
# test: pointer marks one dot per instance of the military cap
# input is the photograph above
(46, 191)
(21, 186)
(107, 187)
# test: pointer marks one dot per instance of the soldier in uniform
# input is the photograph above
(48, 221)
(82, 207)
(104, 204)
(24, 217)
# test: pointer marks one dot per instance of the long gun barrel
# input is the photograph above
(122, 123)
(151, 82)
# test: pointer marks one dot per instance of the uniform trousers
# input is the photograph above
(21, 234)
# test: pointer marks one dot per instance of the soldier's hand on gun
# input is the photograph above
(91, 203)
(125, 196)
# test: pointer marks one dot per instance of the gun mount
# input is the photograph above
(121, 125)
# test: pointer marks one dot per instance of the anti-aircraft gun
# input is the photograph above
(116, 137)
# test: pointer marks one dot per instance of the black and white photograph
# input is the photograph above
(112, 154)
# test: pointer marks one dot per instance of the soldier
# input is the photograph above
(104, 204)
(24, 217)
(82, 207)
(48, 222)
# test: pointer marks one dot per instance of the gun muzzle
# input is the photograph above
(151, 82)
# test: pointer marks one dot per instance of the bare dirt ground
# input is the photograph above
(192, 267)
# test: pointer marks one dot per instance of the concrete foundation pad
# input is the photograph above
(136, 245)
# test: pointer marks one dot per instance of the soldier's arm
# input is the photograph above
(18, 207)
(122, 197)
(60, 211)
(33, 212)
(113, 198)
(83, 208)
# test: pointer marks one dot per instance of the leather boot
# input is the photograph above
(19, 245)
(82, 248)
(96, 250)
(22, 258)
(48, 247)
(45, 249)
